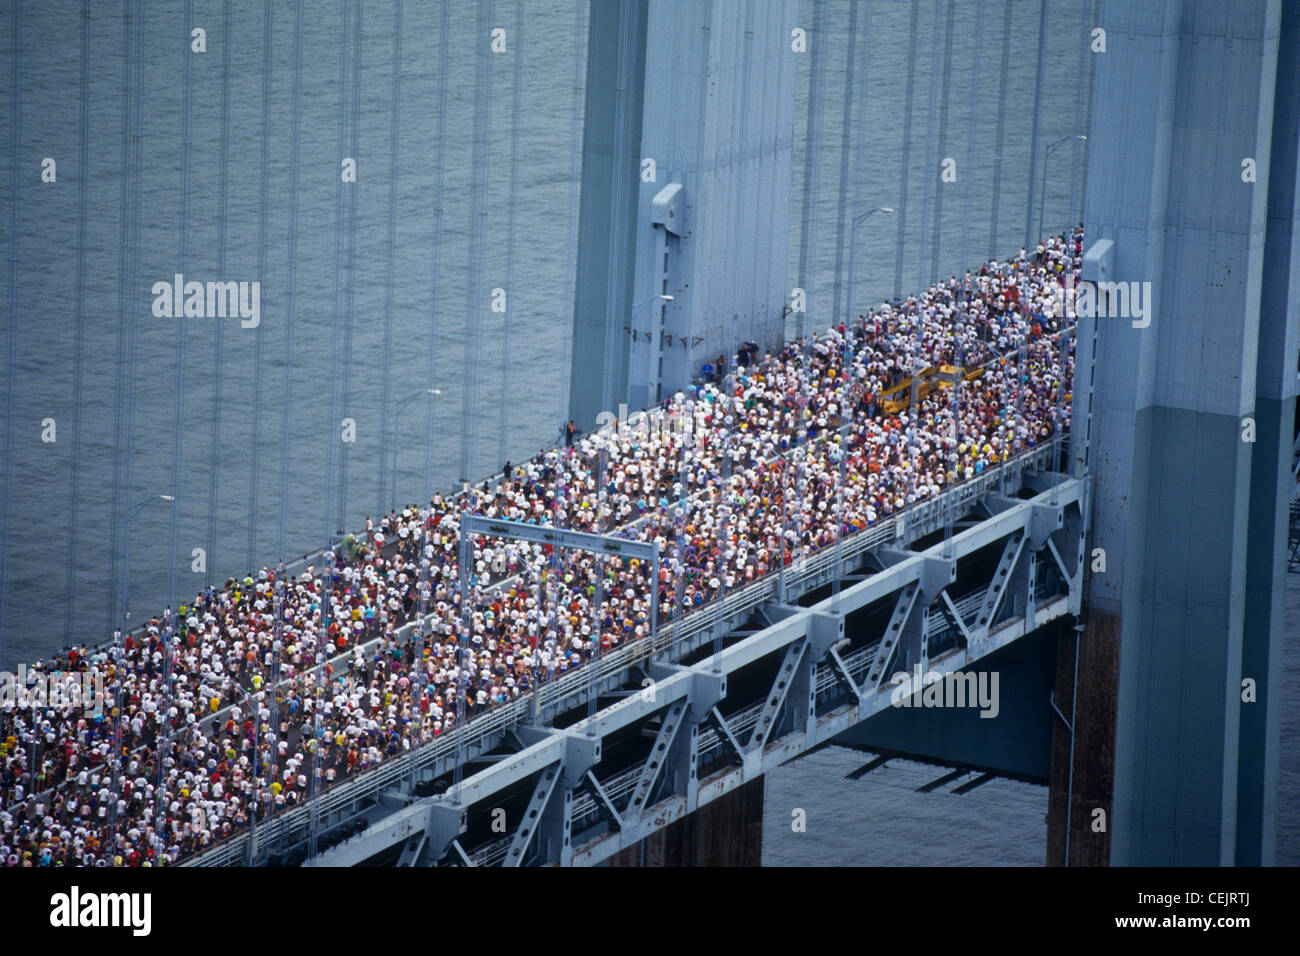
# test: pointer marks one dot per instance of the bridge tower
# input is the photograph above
(1191, 204)
(686, 175)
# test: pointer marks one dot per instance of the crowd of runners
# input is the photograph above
(215, 710)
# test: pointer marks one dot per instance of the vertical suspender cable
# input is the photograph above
(291, 275)
(316, 686)
(1030, 239)
(133, 271)
(214, 454)
(905, 159)
(559, 562)
(617, 218)
(135, 60)
(390, 272)
(178, 427)
(290, 311)
(846, 129)
(859, 167)
(262, 204)
(178, 430)
(123, 303)
(968, 189)
(944, 95)
(851, 316)
(270, 766)
(740, 152)
(507, 328)
(295, 113)
(121, 381)
(846, 418)
(581, 16)
(766, 260)
(1001, 131)
(1080, 108)
(930, 166)
(476, 295)
(11, 332)
(439, 171)
(1082, 165)
(333, 423)
(858, 143)
(811, 164)
(808, 230)
(83, 178)
(350, 288)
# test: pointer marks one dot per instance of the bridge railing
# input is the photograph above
(674, 639)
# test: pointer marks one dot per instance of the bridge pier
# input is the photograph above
(1093, 749)
(726, 832)
(1194, 183)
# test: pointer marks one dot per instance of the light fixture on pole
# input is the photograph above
(853, 249)
(1042, 193)
(118, 641)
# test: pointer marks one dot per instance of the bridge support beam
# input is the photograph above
(688, 155)
(704, 752)
(726, 832)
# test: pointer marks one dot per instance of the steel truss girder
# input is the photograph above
(893, 632)
(776, 696)
(672, 722)
(704, 684)
(523, 834)
(1001, 578)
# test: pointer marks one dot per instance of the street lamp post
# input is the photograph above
(402, 403)
(118, 640)
(1042, 193)
(853, 250)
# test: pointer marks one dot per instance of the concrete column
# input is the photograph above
(1090, 782)
(725, 832)
(1184, 94)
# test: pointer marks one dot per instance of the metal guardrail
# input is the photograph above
(675, 639)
